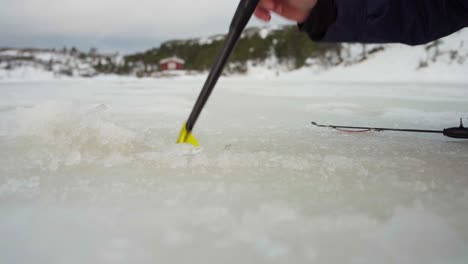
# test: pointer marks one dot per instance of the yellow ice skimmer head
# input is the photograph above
(186, 137)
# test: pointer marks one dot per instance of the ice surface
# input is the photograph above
(89, 173)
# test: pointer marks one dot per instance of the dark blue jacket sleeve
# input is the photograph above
(411, 22)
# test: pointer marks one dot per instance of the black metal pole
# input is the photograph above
(242, 16)
(212, 79)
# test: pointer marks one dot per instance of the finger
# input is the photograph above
(272, 5)
(262, 14)
(267, 4)
(290, 12)
(278, 7)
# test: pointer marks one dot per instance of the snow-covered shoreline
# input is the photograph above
(357, 74)
(444, 61)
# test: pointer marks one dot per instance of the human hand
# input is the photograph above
(296, 10)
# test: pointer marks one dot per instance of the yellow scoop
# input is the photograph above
(186, 136)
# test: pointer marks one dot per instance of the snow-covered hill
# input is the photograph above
(45, 64)
(445, 60)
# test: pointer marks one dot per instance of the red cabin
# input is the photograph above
(172, 63)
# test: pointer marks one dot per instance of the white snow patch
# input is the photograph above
(264, 32)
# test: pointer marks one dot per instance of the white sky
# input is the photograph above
(123, 25)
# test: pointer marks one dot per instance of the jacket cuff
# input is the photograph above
(322, 16)
(349, 21)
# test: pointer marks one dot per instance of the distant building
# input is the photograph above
(172, 63)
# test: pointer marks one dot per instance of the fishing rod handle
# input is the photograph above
(456, 132)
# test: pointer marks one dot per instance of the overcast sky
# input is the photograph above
(111, 25)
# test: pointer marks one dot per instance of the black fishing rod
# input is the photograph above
(244, 12)
(453, 132)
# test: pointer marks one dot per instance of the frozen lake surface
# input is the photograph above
(89, 173)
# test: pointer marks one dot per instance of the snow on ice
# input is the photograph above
(90, 173)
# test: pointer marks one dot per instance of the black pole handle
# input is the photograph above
(243, 14)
